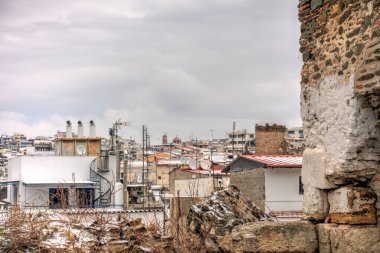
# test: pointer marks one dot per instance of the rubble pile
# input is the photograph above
(44, 232)
(221, 212)
(230, 222)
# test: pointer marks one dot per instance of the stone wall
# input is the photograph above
(252, 184)
(179, 210)
(340, 89)
(270, 139)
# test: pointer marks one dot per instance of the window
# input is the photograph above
(84, 198)
(300, 186)
(159, 177)
(58, 197)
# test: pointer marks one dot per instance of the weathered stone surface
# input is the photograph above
(272, 237)
(315, 203)
(367, 82)
(323, 231)
(352, 205)
(346, 238)
(340, 104)
(314, 164)
(220, 213)
(335, 120)
(375, 185)
(270, 139)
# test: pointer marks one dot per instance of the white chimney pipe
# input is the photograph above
(92, 129)
(80, 129)
(69, 130)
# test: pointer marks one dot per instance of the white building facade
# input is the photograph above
(272, 182)
(59, 182)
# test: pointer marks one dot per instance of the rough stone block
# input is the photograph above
(346, 238)
(375, 185)
(352, 205)
(295, 236)
(314, 165)
(315, 203)
(323, 231)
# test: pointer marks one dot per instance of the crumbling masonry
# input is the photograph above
(340, 97)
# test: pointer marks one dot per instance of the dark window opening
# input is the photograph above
(58, 197)
(84, 198)
(300, 186)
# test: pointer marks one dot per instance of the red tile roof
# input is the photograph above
(277, 161)
(271, 161)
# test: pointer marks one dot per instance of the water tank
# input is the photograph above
(119, 195)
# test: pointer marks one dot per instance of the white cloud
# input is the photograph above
(180, 67)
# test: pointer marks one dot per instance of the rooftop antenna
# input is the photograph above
(116, 126)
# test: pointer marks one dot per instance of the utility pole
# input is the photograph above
(143, 161)
(233, 139)
(211, 161)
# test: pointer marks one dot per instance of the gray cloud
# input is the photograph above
(181, 67)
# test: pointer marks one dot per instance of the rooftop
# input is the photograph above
(272, 161)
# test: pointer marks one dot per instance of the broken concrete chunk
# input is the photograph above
(315, 203)
(314, 169)
(352, 205)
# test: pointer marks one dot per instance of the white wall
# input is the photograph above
(45, 169)
(198, 187)
(36, 196)
(195, 187)
(282, 189)
(14, 169)
(55, 168)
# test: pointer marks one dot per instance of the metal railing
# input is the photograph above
(104, 198)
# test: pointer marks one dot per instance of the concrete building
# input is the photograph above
(80, 146)
(160, 171)
(58, 182)
(272, 182)
(240, 141)
(42, 143)
(76, 168)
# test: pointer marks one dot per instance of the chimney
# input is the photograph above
(69, 130)
(80, 129)
(92, 129)
(270, 139)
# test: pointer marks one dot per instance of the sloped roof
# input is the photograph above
(277, 161)
(271, 161)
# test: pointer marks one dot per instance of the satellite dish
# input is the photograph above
(80, 149)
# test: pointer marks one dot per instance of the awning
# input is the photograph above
(9, 182)
(56, 183)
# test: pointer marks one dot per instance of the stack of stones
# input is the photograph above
(340, 101)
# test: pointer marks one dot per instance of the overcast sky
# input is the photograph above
(181, 67)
